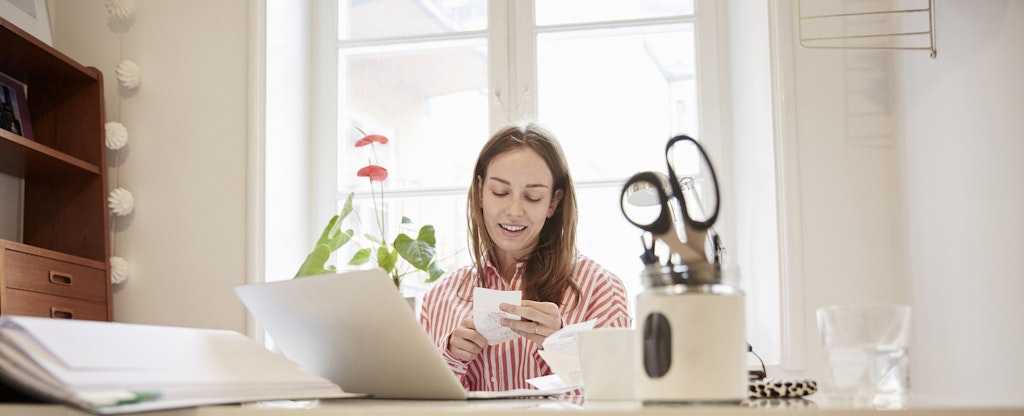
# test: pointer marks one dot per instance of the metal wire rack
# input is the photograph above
(878, 24)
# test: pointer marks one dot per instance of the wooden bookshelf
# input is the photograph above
(60, 267)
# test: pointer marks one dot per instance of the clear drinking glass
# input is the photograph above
(866, 353)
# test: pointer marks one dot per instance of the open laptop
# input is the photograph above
(355, 329)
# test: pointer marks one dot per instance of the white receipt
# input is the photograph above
(562, 355)
(487, 316)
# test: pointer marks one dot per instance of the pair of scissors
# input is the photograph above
(665, 194)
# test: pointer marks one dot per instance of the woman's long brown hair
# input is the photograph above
(548, 270)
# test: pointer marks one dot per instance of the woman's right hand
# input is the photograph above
(466, 343)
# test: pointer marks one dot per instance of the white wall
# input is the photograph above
(921, 201)
(962, 157)
(185, 161)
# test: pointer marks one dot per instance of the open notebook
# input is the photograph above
(112, 368)
(355, 329)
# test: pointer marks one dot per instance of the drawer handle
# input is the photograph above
(57, 312)
(60, 278)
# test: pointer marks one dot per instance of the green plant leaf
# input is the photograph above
(315, 261)
(360, 258)
(426, 235)
(375, 239)
(331, 231)
(347, 208)
(435, 272)
(332, 227)
(340, 239)
(386, 259)
(331, 239)
(417, 252)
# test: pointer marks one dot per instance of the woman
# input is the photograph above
(522, 226)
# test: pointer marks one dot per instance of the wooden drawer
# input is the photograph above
(56, 277)
(20, 302)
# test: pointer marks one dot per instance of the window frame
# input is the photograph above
(323, 110)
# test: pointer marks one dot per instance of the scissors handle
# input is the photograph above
(663, 223)
(677, 189)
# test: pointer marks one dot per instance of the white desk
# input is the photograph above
(533, 407)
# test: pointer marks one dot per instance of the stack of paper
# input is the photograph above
(109, 368)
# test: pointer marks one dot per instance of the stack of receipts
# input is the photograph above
(559, 349)
(110, 368)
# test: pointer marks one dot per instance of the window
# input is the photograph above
(613, 80)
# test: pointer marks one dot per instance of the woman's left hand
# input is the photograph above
(539, 319)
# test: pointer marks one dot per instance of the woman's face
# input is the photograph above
(517, 199)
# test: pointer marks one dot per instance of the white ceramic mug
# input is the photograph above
(606, 360)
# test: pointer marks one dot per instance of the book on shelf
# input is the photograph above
(14, 107)
(114, 368)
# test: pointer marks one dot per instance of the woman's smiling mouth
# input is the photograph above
(512, 228)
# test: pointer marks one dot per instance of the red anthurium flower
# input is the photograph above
(372, 138)
(374, 172)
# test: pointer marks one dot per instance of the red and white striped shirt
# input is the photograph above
(508, 365)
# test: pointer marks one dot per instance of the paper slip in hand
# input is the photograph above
(487, 316)
(562, 354)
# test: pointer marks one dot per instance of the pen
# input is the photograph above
(118, 397)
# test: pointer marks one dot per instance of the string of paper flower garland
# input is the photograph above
(121, 9)
(120, 201)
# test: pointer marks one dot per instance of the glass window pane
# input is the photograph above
(430, 102)
(605, 235)
(555, 12)
(369, 19)
(614, 97)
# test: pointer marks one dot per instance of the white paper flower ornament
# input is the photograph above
(121, 202)
(128, 74)
(117, 135)
(118, 270)
(120, 8)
